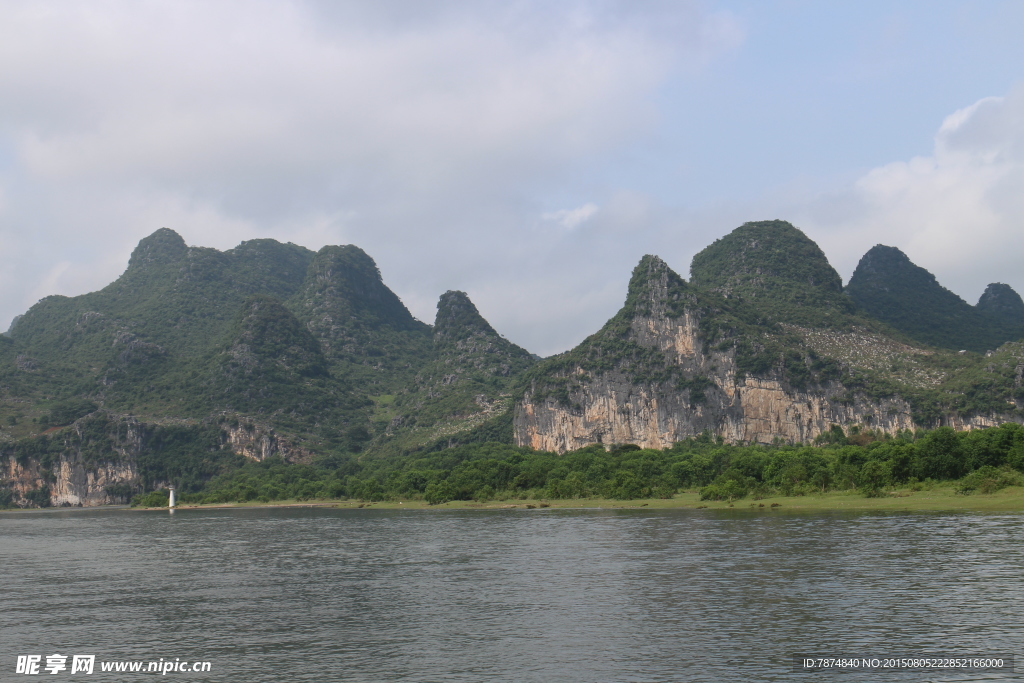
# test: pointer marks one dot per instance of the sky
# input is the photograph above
(526, 152)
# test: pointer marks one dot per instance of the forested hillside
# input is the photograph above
(887, 286)
(196, 361)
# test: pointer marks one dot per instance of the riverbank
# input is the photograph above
(940, 498)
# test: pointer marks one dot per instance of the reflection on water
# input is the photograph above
(296, 595)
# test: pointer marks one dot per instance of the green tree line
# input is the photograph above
(982, 460)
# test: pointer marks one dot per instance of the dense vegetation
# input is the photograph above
(314, 347)
(982, 460)
(466, 382)
(311, 344)
(889, 287)
(775, 265)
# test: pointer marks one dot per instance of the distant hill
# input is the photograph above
(775, 265)
(312, 344)
(887, 286)
(1002, 303)
(196, 358)
(760, 345)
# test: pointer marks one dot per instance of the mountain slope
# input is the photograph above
(366, 332)
(777, 266)
(889, 287)
(756, 352)
(674, 363)
(465, 384)
(195, 357)
(187, 332)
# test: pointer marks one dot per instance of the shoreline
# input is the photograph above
(938, 499)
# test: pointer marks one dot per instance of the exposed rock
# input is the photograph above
(82, 475)
(75, 476)
(259, 442)
(592, 396)
(611, 409)
(70, 482)
(751, 411)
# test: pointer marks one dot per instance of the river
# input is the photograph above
(290, 595)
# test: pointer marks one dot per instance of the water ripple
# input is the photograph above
(302, 595)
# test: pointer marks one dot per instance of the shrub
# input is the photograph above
(439, 492)
(39, 496)
(727, 490)
(153, 499)
(627, 486)
(484, 494)
(120, 491)
(989, 479)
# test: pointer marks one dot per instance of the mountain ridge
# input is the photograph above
(888, 286)
(273, 349)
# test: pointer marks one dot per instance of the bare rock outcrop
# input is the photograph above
(259, 442)
(652, 378)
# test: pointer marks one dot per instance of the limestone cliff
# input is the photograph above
(104, 459)
(71, 482)
(92, 462)
(677, 361)
(259, 442)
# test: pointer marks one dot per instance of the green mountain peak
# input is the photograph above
(343, 285)
(651, 269)
(458, 318)
(464, 338)
(1001, 301)
(162, 247)
(888, 286)
(651, 285)
(774, 264)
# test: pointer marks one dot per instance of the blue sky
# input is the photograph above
(526, 152)
(824, 91)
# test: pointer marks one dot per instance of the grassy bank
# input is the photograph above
(940, 498)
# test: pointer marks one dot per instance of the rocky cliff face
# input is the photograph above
(611, 408)
(652, 378)
(748, 411)
(101, 460)
(259, 442)
(71, 482)
(73, 467)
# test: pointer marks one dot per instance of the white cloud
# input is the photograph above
(571, 218)
(424, 132)
(958, 212)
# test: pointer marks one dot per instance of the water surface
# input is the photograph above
(295, 595)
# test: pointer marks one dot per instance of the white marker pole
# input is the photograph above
(170, 503)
